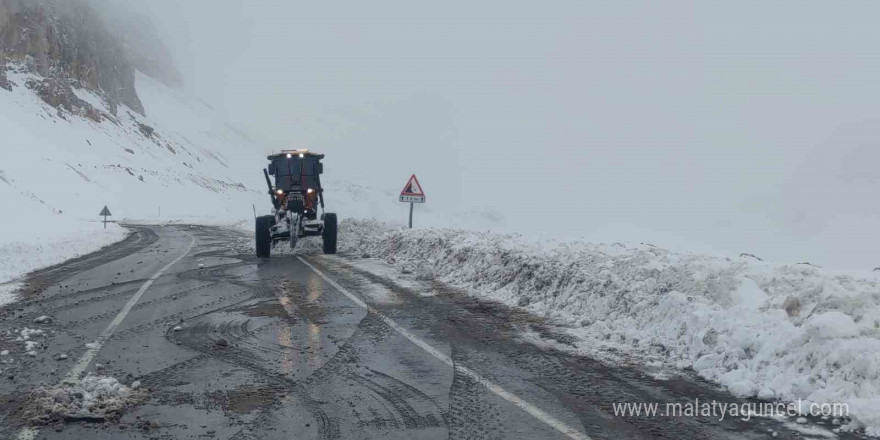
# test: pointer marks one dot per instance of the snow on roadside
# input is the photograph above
(22, 252)
(777, 332)
(94, 398)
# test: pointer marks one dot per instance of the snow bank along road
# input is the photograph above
(229, 346)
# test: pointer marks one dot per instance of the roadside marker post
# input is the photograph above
(106, 213)
(412, 193)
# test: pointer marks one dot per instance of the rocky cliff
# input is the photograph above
(67, 43)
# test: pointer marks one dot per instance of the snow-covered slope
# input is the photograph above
(181, 163)
(775, 332)
(59, 169)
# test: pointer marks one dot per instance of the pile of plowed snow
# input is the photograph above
(95, 398)
(779, 332)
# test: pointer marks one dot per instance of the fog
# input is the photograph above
(722, 128)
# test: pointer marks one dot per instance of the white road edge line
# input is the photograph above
(29, 433)
(533, 410)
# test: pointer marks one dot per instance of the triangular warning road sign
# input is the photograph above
(105, 212)
(413, 187)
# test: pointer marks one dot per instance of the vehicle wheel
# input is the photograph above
(330, 230)
(264, 240)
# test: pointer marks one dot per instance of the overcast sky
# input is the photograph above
(738, 127)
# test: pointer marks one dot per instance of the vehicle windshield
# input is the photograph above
(295, 171)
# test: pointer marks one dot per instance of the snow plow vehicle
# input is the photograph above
(296, 196)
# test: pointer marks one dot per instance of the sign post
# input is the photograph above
(412, 193)
(106, 213)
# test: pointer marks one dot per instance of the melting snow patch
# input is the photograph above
(7, 293)
(812, 431)
(73, 239)
(95, 398)
(26, 334)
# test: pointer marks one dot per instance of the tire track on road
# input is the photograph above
(30, 433)
(140, 239)
(162, 299)
(519, 402)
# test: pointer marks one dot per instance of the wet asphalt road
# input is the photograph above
(233, 347)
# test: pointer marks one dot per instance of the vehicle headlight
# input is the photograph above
(310, 190)
(279, 192)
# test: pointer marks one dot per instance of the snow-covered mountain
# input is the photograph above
(82, 128)
(179, 159)
(76, 137)
(61, 166)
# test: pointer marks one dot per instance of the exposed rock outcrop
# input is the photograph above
(58, 94)
(66, 42)
(4, 82)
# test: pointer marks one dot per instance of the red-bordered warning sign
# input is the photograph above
(412, 191)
